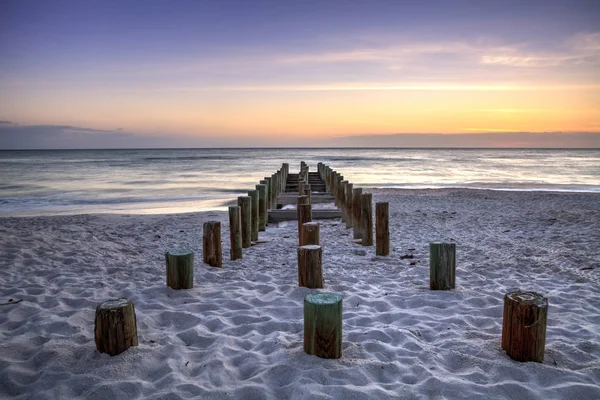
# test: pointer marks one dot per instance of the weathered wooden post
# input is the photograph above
(323, 324)
(356, 212)
(115, 327)
(212, 252)
(343, 189)
(442, 266)
(382, 229)
(524, 326)
(310, 270)
(300, 200)
(310, 234)
(338, 190)
(349, 215)
(254, 213)
(265, 202)
(269, 184)
(277, 188)
(235, 232)
(262, 209)
(366, 213)
(304, 215)
(180, 269)
(244, 203)
(307, 191)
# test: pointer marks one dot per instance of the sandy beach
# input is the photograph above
(238, 333)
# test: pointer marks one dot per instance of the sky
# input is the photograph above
(289, 73)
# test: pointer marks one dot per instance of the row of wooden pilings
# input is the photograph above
(525, 313)
(115, 326)
(357, 210)
(246, 219)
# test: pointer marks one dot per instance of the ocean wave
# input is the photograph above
(511, 186)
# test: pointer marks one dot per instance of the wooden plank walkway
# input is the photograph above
(319, 195)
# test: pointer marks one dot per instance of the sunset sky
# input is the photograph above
(285, 71)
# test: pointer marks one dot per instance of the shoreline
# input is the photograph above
(233, 201)
(238, 333)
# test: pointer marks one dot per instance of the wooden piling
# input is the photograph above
(244, 202)
(115, 326)
(262, 208)
(349, 214)
(180, 269)
(212, 251)
(357, 212)
(253, 194)
(382, 229)
(366, 214)
(235, 232)
(269, 194)
(442, 266)
(266, 201)
(304, 215)
(310, 270)
(310, 234)
(307, 191)
(524, 326)
(323, 324)
(343, 189)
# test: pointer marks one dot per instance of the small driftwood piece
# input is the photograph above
(11, 302)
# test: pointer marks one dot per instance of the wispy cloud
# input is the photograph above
(381, 86)
(580, 49)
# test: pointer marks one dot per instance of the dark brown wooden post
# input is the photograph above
(262, 208)
(180, 269)
(356, 212)
(308, 192)
(265, 203)
(343, 189)
(310, 234)
(269, 196)
(524, 326)
(244, 203)
(382, 229)
(235, 232)
(254, 211)
(367, 219)
(349, 215)
(304, 215)
(212, 252)
(442, 266)
(323, 324)
(310, 270)
(299, 201)
(115, 327)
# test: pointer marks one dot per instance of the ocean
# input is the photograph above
(51, 182)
